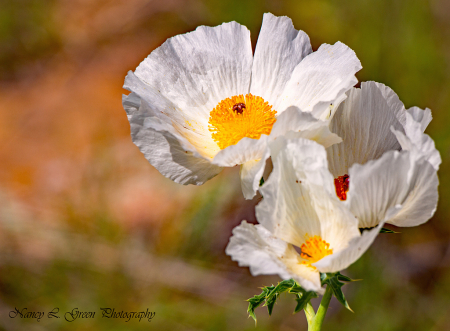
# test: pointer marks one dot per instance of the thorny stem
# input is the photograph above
(317, 320)
(310, 314)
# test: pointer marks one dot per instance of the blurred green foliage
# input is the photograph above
(26, 34)
(177, 266)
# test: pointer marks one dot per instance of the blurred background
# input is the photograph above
(86, 222)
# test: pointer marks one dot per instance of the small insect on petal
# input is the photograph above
(239, 108)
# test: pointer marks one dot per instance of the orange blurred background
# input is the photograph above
(86, 221)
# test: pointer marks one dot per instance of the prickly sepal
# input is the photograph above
(270, 294)
(336, 281)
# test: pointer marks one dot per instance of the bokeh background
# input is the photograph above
(86, 222)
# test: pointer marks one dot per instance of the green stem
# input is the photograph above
(310, 314)
(317, 321)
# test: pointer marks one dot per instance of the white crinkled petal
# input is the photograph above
(319, 82)
(252, 155)
(293, 119)
(257, 248)
(279, 49)
(299, 196)
(343, 258)
(423, 117)
(245, 150)
(395, 181)
(390, 97)
(421, 201)
(337, 224)
(414, 140)
(166, 154)
(322, 135)
(251, 173)
(422, 147)
(157, 106)
(195, 71)
(305, 126)
(165, 149)
(131, 104)
(286, 209)
(310, 164)
(363, 121)
(140, 114)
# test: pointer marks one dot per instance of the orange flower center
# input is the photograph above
(238, 117)
(342, 184)
(315, 249)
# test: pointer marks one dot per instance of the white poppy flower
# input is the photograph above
(300, 208)
(385, 162)
(203, 101)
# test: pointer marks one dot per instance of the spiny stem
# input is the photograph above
(309, 312)
(317, 321)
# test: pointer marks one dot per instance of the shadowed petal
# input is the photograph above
(396, 180)
(363, 121)
(255, 247)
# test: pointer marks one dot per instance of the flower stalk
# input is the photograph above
(310, 314)
(315, 323)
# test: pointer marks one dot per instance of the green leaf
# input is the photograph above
(270, 303)
(324, 277)
(276, 291)
(261, 181)
(343, 278)
(336, 286)
(251, 311)
(255, 301)
(270, 295)
(258, 299)
(281, 287)
(303, 299)
(336, 281)
(386, 230)
(297, 289)
(383, 230)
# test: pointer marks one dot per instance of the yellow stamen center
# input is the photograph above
(315, 249)
(238, 117)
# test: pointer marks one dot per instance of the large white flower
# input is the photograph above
(202, 101)
(385, 163)
(300, 209)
